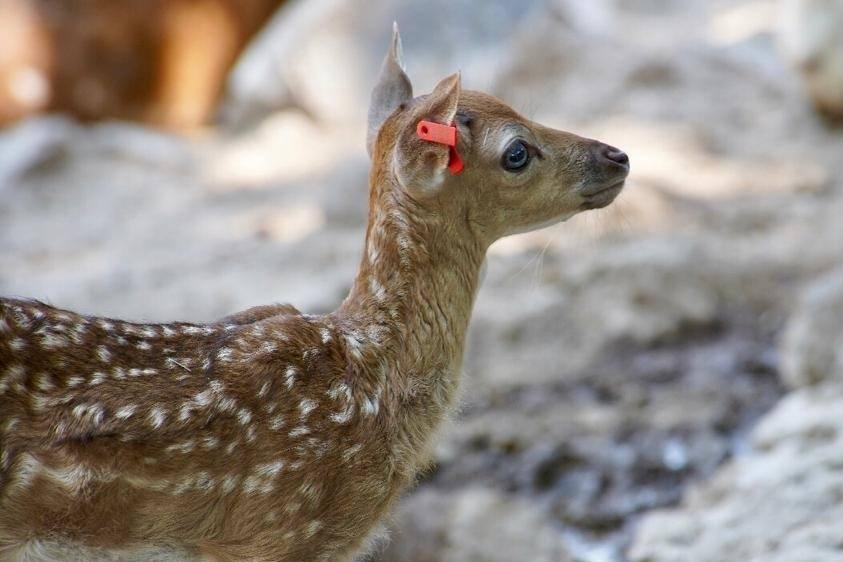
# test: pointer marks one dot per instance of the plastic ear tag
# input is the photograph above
(443, 134)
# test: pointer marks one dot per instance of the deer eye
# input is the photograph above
(516, 157)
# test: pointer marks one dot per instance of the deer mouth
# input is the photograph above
(603, 195)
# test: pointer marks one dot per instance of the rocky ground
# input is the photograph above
(656, 382)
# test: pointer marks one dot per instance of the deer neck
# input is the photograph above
(414, 293)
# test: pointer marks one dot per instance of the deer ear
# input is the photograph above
(393, 89)
(420, 164)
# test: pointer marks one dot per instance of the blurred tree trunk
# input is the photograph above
(162, 62)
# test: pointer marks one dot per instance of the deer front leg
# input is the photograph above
(257, 313)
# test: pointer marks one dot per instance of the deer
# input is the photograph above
(274, 435)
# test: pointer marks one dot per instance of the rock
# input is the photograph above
(811, 38)
(782, 501)
(474, 525)
(644, 292)
(30, 145)
(812, 346)
(323, 55)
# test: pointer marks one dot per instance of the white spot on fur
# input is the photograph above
(103, 354)
(306, 406)
(229, 449)
(105, 325)
(168, 332)
(184, 486)
(229, 483)
(290, 377)
(45, 382)
(41, 403)
(157, 416)
(326, 335)
(210, 442)
(354, 344)
(185, 412)
(14, 373)
(264, 389)
(93, 412)
(270, 470)
(25, 471)
(143, 345)
(204, 481)
(276, 423)
(203, 398)
(185, 447)
(312, 528)
(17, 344)
(344, 416)
(72, 478)
(125, 412)
(10, 425)
(74, 381)
(149, 332)
(340, 390)
(225, 354)
(227, 404)
(53, 341)
(77, 334)
(311, 354)
(244, 416)
(298, 431)
(97, 378)
(251, 484)
(370, 406)
(130, 329)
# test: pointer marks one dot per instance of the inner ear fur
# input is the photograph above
(422, 165)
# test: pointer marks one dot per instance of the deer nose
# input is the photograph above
(614, 155)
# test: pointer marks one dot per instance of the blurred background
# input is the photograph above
(659, 381)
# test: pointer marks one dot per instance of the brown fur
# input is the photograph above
(272, 435)
(163, 62)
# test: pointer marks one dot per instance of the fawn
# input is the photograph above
(272, 435)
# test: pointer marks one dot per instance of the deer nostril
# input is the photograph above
(616, 155)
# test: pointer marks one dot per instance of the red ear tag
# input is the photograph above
(442, 134)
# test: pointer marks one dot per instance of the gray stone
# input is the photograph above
(782, 501)
(473, 525)
(812, 346)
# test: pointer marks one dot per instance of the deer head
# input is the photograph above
(518, 175)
